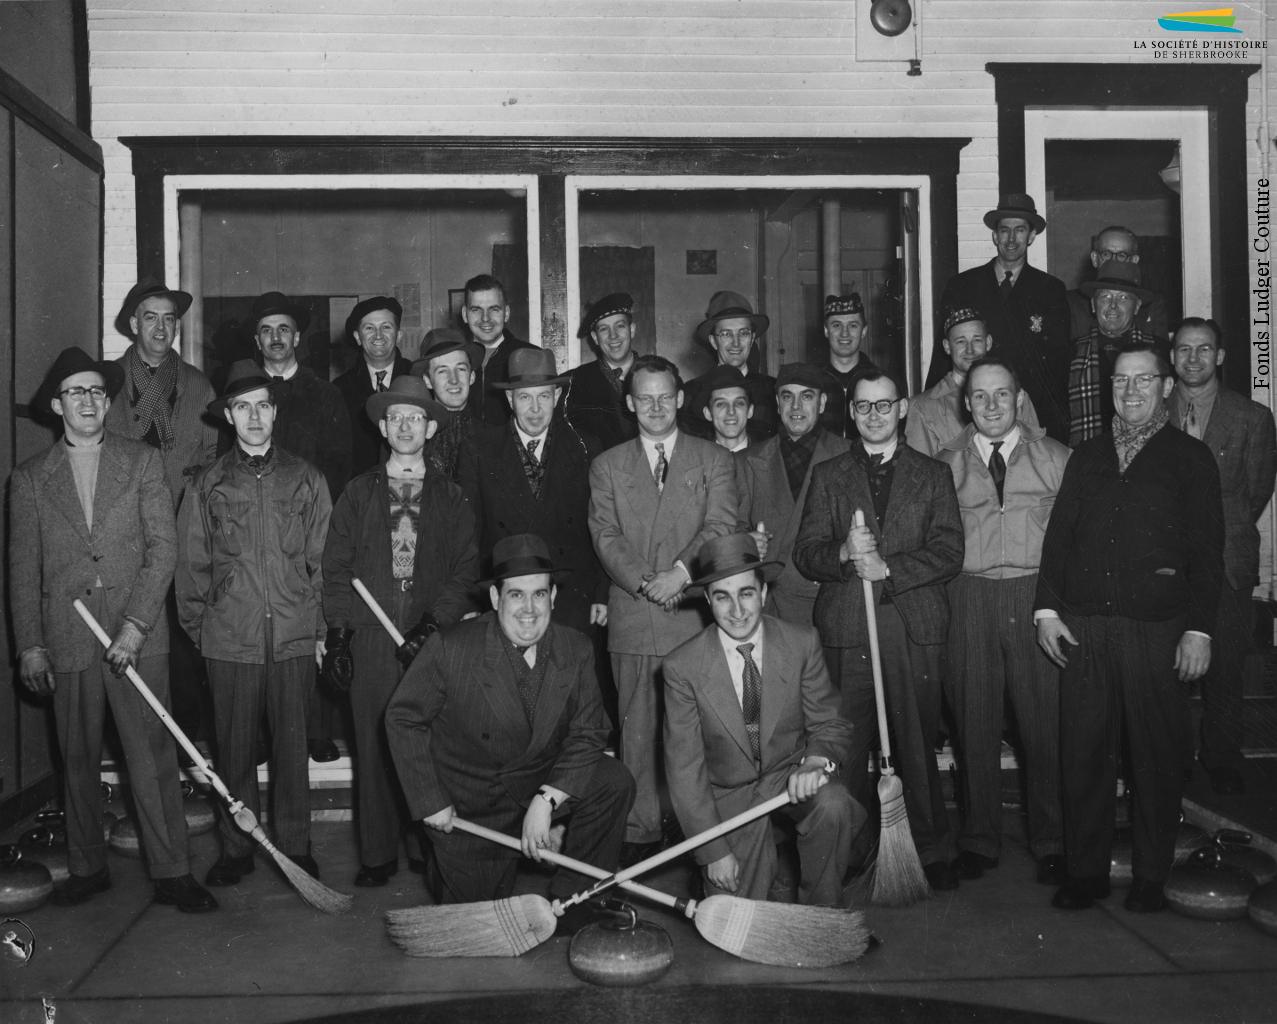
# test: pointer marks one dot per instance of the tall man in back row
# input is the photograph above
(486, 313)
(374, 327)
(1128, 596)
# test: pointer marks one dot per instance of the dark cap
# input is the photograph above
(720, 557)
(961, 315)
(718, 379)
(1015, 204)
(521, 554)
(803, 374)
(147, 288)
(844, 305)
(609, 305)
(71, 361)
(366, 306)
(277, 304)
(245, 376)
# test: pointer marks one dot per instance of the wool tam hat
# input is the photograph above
(366, 306)
(609, 305)
(841, 305)
(961, 315)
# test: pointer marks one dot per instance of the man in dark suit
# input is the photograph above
(750, 713)
(732, 329)
(596, 397)
(374, 326)
(772, 480)
(417, 554)
(534, 477)
(910, 546)
(485, 313)
(1132, 565)
(499, 721)
(93, 519)
(1240, 435)
(1026, 309)
(845, 329)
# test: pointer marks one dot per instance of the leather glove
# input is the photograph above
(126, 649)
(36, 671)
(416, 639)
(338, 670)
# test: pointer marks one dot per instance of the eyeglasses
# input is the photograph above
(883, 406)
(415, 418)
(744, 334)
(75, 394)
(1142, 380)
(1104, 255)
(655, 401)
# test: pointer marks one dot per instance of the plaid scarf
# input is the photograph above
(1130, 441)
(1086, 402)
(152, 394)
(797, 455)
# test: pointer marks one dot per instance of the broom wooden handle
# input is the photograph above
(377, 610)
(687, 907)
(875, 662)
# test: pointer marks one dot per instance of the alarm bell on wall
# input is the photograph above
(891, 17)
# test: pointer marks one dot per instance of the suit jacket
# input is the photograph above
(1240, 435)
(54, 557)
(639, 530)
(762, 395)
(460, 736)
(486, 402)
(311, 421)
(1030, 330)
(367, 446)
(922, 544)
(1147, 544)
(708, 762)
(763, 495)
(595, 407)
(559, 516)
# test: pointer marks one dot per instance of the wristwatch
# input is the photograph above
(554, 804)
(831, 767)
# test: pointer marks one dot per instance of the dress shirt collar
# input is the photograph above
(985, 447)
(525, 438)
(741, 442)
(887, 450)
(649, 449)
(1001, 269)
(736, 662)
(389, 372)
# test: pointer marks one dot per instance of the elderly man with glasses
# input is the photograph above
(732, 329)
(1121, 245)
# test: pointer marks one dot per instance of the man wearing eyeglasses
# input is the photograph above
(92, 518)
(732, 329)
(1123, 246)
(1127, 599)
(408, 534)
(910, 546)
(653, 502)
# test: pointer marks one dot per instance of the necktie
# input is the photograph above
(658, 474)
(998, 469)
(1005, 286)
(1191, 426)
(532, 448)
(381, 380)
(752, 699)
(276, 379)
(618, 377)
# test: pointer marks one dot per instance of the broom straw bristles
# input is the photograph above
(899, 880)
(501, 928)
(781, 934)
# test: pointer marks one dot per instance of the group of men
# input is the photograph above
(700, 548)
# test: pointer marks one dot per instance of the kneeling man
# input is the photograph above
(499, 720)
(750, 713)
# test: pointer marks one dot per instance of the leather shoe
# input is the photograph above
(306, 862)
(1226, 780)
(184, 893)
(940, 875)
(1145, 897)
(579, 915)
(1081, 893)
(970, 865)
(79, 888)
(417, 867)
(323, 751)
(1053, 869)
(370, 877)
(632, 853)
(229, 870)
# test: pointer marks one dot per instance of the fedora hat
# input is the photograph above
(717, 379)
(521, 554)
(362, 309)
(441, 341)
(147, 288)
(1118, 277)
(277, 304)
(530, 368)
(1015, 204)
(720, 557)
(245, 376)
(406, 389)
(71, 361)
(728, 306)
(609, 305)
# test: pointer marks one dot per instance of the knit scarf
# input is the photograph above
(153, 391)
(1130, 441)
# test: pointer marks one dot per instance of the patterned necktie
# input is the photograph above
(532, 448)
(381, 380)
(1005, 286)
(752, 699)
(617, 378)
(1191, 426)
(658, 474)
(998, 469)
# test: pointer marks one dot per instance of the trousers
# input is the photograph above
(639, 689)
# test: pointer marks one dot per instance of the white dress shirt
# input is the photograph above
(985, 447)
(539, 454)
(389, 372)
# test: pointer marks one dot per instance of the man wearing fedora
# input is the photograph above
(249, 586)
(596, 397)
(845, 329)
(1026, 309)
(732, 329)
(499, 721)
(726, 407)
(447, 365)
(750, 713)
(374, 326)
(939, 414)
(653, 502)
(485, 314)
(772, 479)
(92, 518)
(1123, 245)
(1116, 297)
(407, 532)
(534, 477)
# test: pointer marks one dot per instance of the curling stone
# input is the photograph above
(43, 846)
(125, 840)
(24, 884)
(1262, 908)
(1205, 887)
(1120, 867)
(1188, 839)
(1236, 849)
(620, 953)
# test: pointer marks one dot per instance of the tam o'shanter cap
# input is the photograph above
(147, 288)
(366, 306)
(841, 305)
(720, 557)
(961, 315)
(803, 374)
(1015, 204)
(278, 304)
(530, 368)
(729, 306)
(245, 376)
(71, 361)
(1118, 277)
(521, 554)
(406, 389)
(609, 305)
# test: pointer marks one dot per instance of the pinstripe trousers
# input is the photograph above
(993, 652)
(240, 693)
